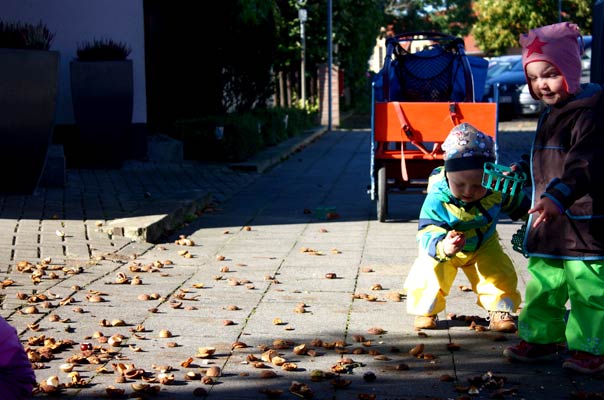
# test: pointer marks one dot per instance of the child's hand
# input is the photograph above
(547, 210)
(453, 243)
(514, 168)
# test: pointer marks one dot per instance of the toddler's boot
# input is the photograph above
(532, 352)
(586, 363)
(501, 321)
(425, 322)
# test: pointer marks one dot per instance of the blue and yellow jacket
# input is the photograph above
(442, 212)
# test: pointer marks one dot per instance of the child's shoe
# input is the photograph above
(425, 322)
(586, 363)
(501, 321)
(532, 352)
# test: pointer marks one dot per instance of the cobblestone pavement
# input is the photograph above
(66, 224)
(261, 268)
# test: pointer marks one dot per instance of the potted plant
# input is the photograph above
(102, 96)
(28, 89)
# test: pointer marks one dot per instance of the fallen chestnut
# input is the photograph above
(86, 346)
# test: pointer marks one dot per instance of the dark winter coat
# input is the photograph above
(567, 165)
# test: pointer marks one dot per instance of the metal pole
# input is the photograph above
(329, 64)
(302, 16)
(559, 10)
(302, 70)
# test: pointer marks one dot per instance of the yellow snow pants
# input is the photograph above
(489, 269)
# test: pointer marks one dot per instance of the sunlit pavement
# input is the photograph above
(262, 268)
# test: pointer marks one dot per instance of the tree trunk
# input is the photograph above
(289, 90)
(281, 90)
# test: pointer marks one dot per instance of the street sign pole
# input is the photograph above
(302, 16)
(329, 64)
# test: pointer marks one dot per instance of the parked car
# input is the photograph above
(500, 64)
(586, 60)
(507, 76)
(530, 106)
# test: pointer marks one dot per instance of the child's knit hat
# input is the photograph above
(557, 44)
(467, 148)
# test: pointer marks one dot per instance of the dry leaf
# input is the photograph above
(417, 350)
(376, 331)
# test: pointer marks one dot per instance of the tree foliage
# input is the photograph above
(355, 32)
(355, 26)
(288, 32)
(260, 41)
(501, 22)
(247, 54)
(454, 17)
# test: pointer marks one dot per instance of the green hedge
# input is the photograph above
(199, 138)
(272, 125)
(243, 135)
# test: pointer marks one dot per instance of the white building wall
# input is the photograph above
(76, 21)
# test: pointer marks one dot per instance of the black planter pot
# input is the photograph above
(102, 96)
(28, 89)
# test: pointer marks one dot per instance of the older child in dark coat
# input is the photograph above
(565, 235)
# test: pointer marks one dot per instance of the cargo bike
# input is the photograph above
(427, 86)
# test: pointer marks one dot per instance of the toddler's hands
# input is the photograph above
(453, 243)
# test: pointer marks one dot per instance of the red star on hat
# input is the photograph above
(535, 47)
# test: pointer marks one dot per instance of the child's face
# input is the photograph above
(547, 82)
(467, 185)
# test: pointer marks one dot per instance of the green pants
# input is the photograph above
(553, 284)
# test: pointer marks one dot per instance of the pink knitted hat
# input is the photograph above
(558, 45)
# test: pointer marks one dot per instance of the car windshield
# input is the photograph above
(497, 69)
(501, 66)
(517, 66)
